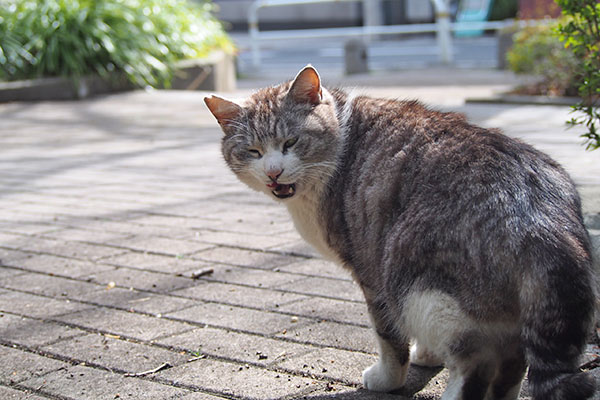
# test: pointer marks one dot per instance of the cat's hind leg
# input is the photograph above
(419, 355)
(507, 383)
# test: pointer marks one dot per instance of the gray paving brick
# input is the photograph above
(12, 257)
(14, 394)
(36, 306)
(335, 335)
(86, 235)
(244, 258)
(341, 289)
(143, 280)
(154, 262)
(46, 285)
(163, 245)
(240, 295)
(78, 250)
(250, 276)
(317, 267)
(258, 242)
(238, 380)
(80, 382)
(115, 354)
(124, 323)
(135, 300)
(236, 346)
(18, 365)
(330, 309)
(32, 332)
(238, 318)
(328, 363)
(61, 266)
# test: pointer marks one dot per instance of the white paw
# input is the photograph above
(423, 358)
(378, 378)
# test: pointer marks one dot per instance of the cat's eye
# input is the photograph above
(289, 143)
(255, 153)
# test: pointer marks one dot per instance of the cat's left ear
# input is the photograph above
(306, 87)
(225, 111)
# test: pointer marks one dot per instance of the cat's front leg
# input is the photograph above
(390, 371)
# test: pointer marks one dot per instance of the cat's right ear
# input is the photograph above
(225, 111)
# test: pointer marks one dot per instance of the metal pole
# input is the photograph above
(253, 29)
(444, 37)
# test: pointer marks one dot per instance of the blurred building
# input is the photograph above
(325, 15)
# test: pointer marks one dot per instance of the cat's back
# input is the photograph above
(436, 189)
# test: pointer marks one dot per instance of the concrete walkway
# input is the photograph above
(135, 266)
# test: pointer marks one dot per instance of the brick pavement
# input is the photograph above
(110, 206)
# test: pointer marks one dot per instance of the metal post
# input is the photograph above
(444, 37)
(372, 16)
(253, 29)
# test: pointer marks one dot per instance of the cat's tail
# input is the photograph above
(558, 304)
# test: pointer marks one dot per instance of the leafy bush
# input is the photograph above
(581, 35)
(142, 38)
(537, 50)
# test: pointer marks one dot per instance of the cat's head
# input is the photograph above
(283, 140)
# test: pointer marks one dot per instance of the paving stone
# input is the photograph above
(330, 309)
(240, 347)
(238, 318)
(78, 250)
(18, 365)
(116, 322)
(86, 235)
(14, 394)
(317, 267)
(12, 258)
(240, 295)
(328, 363)
(250, 276)
(32, 332)
(341, 289)
(134, 300)
(115, 354)
(154, 262)
(37, 306)
(80, 382)
(46, 285)
(163, 245)
(243, 240)
(335, 335)
(13, 241)
(62, 266)
(237, 380)
(143, 280)
(243, 258)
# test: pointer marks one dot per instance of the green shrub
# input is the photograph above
(581, 35)
(142, 38)
(537, 50)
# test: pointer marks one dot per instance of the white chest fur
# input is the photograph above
(304, 212)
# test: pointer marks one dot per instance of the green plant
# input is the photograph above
(537, 50)
(142, 38)
(581, 36)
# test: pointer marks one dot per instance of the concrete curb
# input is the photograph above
(213, 73)
(525, 99)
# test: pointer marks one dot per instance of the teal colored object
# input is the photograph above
(472, 11)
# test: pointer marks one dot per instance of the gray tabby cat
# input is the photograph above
(465, 242)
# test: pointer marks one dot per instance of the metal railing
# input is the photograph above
(442, 27)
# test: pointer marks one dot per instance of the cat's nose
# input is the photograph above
(274, 173)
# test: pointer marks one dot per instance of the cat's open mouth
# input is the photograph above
(282, 191)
